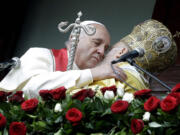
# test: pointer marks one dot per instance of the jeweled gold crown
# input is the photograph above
(158, 43)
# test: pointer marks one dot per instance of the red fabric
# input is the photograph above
(61, 59)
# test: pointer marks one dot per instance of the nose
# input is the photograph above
(100, 51)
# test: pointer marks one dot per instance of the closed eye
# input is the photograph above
(97, 41)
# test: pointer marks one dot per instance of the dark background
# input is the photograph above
(33, 23)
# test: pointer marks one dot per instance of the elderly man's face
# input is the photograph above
(90, 50)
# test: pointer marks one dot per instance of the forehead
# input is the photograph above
(101, 33)
(100, 29)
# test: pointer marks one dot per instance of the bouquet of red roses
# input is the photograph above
(56, 113)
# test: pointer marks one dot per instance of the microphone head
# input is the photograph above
(140, 51)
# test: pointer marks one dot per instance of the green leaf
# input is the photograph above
(68, 98)
(59, 132)
(59, 119)
(136, 103)
(96, 134)
(138, 111)
(68, 128)
(170, 124)
(1, 111)
(118, 123)
(170, 131)
(80, 134)
(112, 131)
(39, 125)
(32, 116)
(89, 126)
(122, 132)
(5, 132)
(107, 111)
(149, 132)
(131, 114)
(98, 105)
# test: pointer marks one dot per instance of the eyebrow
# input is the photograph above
(97, 39)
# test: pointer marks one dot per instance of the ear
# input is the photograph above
(123, 51)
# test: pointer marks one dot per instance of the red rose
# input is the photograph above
(119, 106)
(137, 125)
(111, 88)
(145, 93)
(17, 97)
(9, 93)
(168, 104)
(82, 94)
(45, 94)
(75, 123)
(151, 104)
(29, 105)
(91, 93)
(58, 93)
(74, 115)
(176, 88)
(3, 96)
(175, 95)
(2, 121)
(17, 128)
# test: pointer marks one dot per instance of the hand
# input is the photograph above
(104, 71)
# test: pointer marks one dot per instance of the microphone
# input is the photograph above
(137, 52)
(12, 63)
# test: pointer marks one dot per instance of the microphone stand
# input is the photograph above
(5, 65)
(133, 63)
(13, 63)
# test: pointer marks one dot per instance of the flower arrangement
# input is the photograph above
(56, 113)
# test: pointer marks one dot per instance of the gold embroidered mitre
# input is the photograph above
(158, 43)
